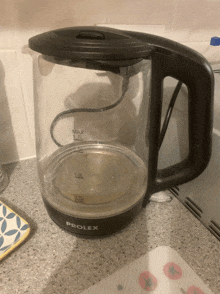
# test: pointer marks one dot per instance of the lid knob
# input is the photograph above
(91, 35)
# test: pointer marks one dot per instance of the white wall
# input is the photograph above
(186, 21)
(178, 14)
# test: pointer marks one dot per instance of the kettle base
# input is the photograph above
(93, 228)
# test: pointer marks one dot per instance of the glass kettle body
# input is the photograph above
(98, 96)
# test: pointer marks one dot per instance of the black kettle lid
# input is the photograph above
(90, 43)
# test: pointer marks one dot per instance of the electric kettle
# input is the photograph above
(98, 99)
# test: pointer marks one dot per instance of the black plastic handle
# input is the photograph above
(184, 64)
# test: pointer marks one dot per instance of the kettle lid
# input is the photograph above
(90, 43)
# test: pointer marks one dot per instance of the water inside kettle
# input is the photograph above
(94, 176)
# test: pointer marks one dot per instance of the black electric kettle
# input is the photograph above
(98, 100)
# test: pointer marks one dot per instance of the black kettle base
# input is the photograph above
(93, 228)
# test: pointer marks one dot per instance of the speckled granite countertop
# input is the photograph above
(53, 261)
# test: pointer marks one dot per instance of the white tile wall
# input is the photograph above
(16, 88)
(16, 128)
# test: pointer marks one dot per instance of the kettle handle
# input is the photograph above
(182, 63)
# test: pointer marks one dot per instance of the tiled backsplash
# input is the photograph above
(16, 88)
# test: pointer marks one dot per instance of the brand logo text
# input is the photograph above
(80, 227)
